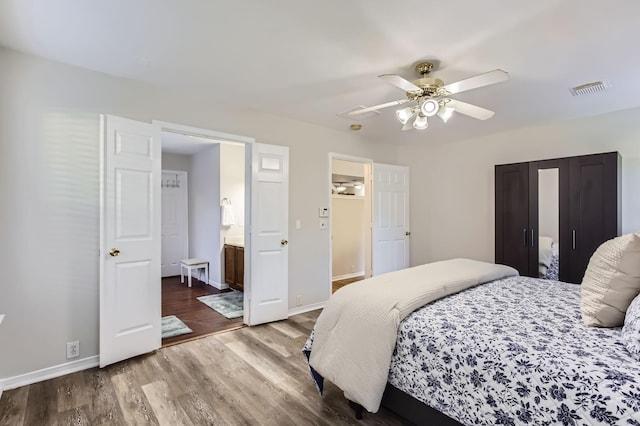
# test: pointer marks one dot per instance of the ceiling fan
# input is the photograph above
(432, 97)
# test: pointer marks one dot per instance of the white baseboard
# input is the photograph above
(48, 373)
(302, 309)
(219, 286)
(344, 277)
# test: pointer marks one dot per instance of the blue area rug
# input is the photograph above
(228, 304)
(172, 327)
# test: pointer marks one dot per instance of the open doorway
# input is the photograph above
(203, 217)
(350, 220)
(130, 219)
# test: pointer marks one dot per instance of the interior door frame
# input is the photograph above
(221, 137)
(368, 258)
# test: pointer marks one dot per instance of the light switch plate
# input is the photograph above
(323, 212)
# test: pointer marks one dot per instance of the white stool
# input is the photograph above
(191, 264)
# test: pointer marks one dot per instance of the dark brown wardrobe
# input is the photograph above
(588, 211)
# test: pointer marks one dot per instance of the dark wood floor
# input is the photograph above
(338, 284)
(180, 300)
(251, 376)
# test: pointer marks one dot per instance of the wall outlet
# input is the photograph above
(73, 349)
(299, 300)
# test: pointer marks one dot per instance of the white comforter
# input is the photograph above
(371, 310)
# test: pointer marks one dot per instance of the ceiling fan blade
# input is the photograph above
(376, 107)
(470, 110)
(491, 77)
(400, 82)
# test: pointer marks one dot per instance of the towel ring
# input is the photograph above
(225, 202)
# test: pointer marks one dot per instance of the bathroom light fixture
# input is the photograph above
(341, 188)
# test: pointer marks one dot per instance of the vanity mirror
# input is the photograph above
(548, 222)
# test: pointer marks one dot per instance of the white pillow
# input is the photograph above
(611, 281)
(631, 329)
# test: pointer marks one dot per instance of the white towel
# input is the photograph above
(227, 216)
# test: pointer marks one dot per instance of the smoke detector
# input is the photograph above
(589, 88)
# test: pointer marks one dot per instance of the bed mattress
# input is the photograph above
(515, 351)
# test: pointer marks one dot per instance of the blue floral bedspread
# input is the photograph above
(513, 352)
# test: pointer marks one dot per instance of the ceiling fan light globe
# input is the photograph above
(404, 114)
(445, 113)
(420, 123)
(429, 108)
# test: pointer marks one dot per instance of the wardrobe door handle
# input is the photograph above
(525, 236)
(532, 237)
(573, 238)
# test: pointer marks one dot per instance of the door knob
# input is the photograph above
(284, 242)
(407, 233)
(114, 252)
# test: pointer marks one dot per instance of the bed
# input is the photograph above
(510, 351)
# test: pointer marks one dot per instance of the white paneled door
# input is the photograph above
(391, 231)
(175, 222)
(130, 285)
(269, 288)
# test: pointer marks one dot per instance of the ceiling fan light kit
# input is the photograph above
(432, 97)
(420, 123)
(405, 114)
(430, 107)
(445, 113)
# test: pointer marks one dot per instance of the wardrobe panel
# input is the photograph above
(512, 216)
(593, 182)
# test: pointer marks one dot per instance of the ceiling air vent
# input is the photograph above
(589, 88)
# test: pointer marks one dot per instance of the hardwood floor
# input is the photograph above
(338, 284)
(181, 301)
(251, 376)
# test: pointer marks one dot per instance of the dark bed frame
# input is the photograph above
(409, 408)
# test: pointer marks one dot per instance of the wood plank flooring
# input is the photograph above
(250, 376)
(338, 284)
(180, 300)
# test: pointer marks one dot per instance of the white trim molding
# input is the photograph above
(195, 131)
(347, 276)
(48, 373)
(219, 286)
(307, 308)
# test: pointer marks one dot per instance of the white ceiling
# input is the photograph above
(310, 60)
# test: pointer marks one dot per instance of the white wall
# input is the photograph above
(232, 186)
(176, 162)
(204, 208)
(49, 180)
(452, 184)
(347, 228)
